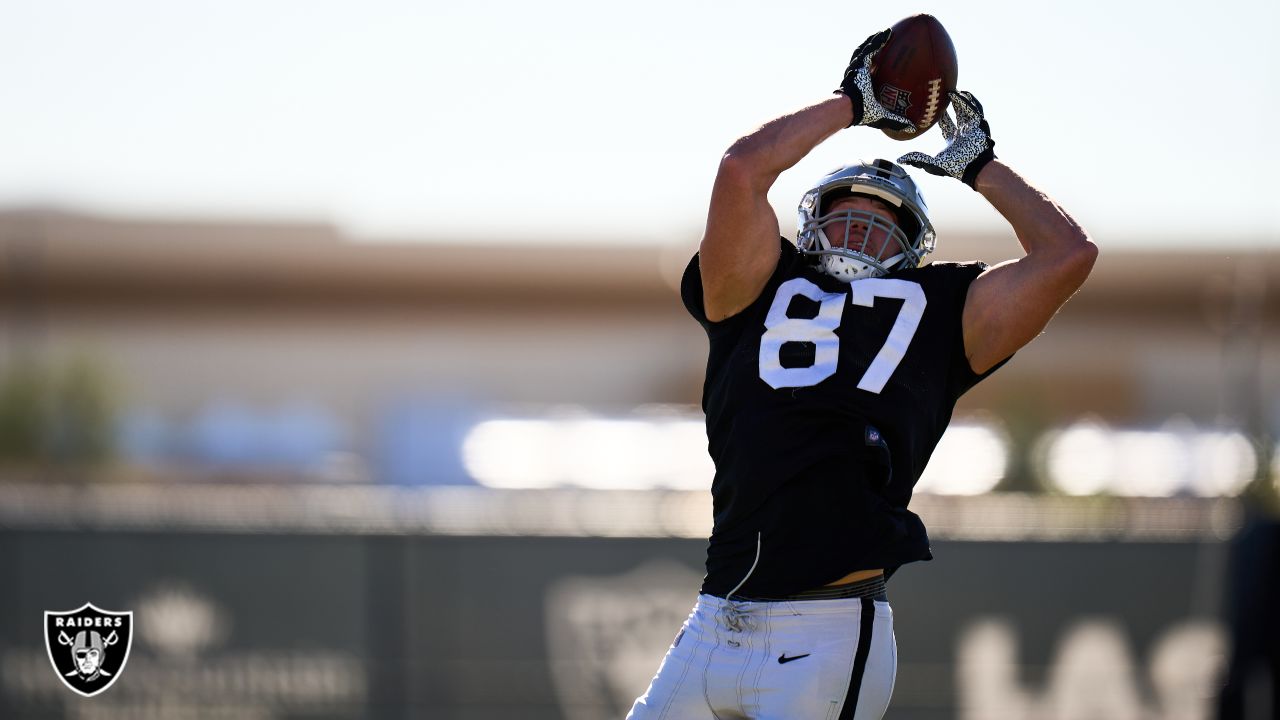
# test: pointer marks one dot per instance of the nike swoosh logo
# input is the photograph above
(783, 659)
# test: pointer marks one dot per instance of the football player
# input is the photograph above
(834, 365)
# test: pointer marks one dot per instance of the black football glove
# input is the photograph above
(857, 85)
(969, 144)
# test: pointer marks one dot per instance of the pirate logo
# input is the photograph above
(88, 646)
(604, 632)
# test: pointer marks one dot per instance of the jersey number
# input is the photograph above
(780, 328)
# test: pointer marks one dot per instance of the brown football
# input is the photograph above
(914, 71)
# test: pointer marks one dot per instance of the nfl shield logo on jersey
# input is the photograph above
(88, 646)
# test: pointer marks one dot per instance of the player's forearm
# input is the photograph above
(781, 143)
(1042, 225)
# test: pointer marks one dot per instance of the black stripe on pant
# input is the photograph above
(859, 659)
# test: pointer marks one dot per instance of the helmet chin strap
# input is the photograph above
(849, 269)
(893, 261)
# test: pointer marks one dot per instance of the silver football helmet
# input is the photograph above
(846, 254)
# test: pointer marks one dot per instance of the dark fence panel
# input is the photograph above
(266, 626)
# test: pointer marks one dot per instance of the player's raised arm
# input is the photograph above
(1009, 304)
(740, 248)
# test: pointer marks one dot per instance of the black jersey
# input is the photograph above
(824, 400)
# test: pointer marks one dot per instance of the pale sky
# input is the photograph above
(600, 121)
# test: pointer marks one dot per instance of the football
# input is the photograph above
(914, 71)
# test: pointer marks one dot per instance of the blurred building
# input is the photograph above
(250, 351)
(300, 338)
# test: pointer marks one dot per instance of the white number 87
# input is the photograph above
(820, 330)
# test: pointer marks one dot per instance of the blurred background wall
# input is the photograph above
(353, 479)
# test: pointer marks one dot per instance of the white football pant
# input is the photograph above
(783, 660)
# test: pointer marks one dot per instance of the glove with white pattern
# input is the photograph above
(857, 86)
(969, 144)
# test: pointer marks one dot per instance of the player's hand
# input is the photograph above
(857, 85)
(969, 144)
